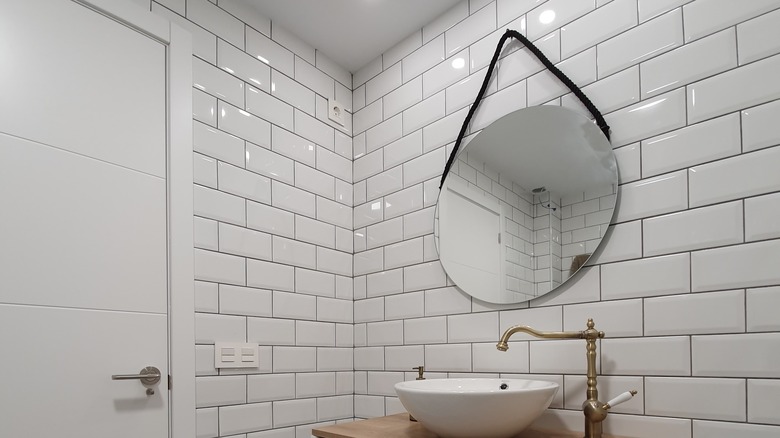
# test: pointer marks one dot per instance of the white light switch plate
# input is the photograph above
(235, 355)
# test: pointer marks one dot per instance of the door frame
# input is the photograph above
(181, 301)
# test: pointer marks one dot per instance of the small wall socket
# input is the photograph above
(336, 112)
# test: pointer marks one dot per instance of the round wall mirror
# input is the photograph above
(525, 204)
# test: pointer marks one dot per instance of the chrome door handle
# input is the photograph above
(148, 376)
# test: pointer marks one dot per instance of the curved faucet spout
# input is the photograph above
(503, 346)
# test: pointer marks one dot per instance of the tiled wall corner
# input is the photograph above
(689, 266)
(273, 223)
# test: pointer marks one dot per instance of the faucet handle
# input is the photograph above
(622, 398)
(420, 371)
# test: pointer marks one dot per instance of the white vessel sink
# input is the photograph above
(470, 408)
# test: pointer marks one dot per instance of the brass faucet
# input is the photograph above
(594, 410)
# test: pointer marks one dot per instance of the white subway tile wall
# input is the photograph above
(316, 241)
(690, 262)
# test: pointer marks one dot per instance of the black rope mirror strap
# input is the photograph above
(547, 63)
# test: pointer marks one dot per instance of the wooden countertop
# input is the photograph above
(399, 426)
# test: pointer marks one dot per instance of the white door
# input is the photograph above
(470, 247)
(83, 224)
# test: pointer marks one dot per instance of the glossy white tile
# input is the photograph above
(733, 178)
(704, 18)
(720, 429)
(762, 395)
(640, 43)
(220, 390)
(762, 217)
(758, 38)
(213, 204)
(204, 107)
(367, 117)
(477, 25)
(695, 398)
(218, 144)
(244, 301)
(384, 133)
(424, 276)
(424, 113)
(746, 265)
(647, 118)
(451, 357)
(369, 261)
(544, 86)
(445, 21)
(404, 253)
(403, 97)
(315, 283)
(384, 183)
(292, 199)
(404, 201)
(368, 71)
(608, 94)
(422, 59)
(387, 282)
(217, 267)
(270, 219)
(736, 89)
(753, 355)
(292, 252)
(403, 150)
(242, 124)
(701, 59)
(334, 164)
(715, 312)
(334, 213)
(629, 163)
(443, 131)
(246, 184)
(464, 92)
(253, 71)
(216, 21)
(383, 83)
(401, 50)
(311, 77)
(446, 73)
(204, 170)
(265, 162)
(759, 129)
(597, 26)
(500, 104)
(653, 196)
(210, 79)
(509, 10)
(316, 232)
(475, 327)
(269, 108)
(554, 14)
(424, 167)
(244, 242)
(660, 356)
(620, 318)
(694, 144)
(639, 278)
(205, 234)
(314, 181)
(761, 305)
(699, 228)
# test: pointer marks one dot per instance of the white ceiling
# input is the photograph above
(352, 32)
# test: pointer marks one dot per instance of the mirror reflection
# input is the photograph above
(525, 204)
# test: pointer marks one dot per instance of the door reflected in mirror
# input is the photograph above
(525, 204)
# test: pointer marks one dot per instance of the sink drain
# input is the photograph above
(504, 386)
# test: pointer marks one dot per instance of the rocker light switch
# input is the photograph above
(235, 355)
